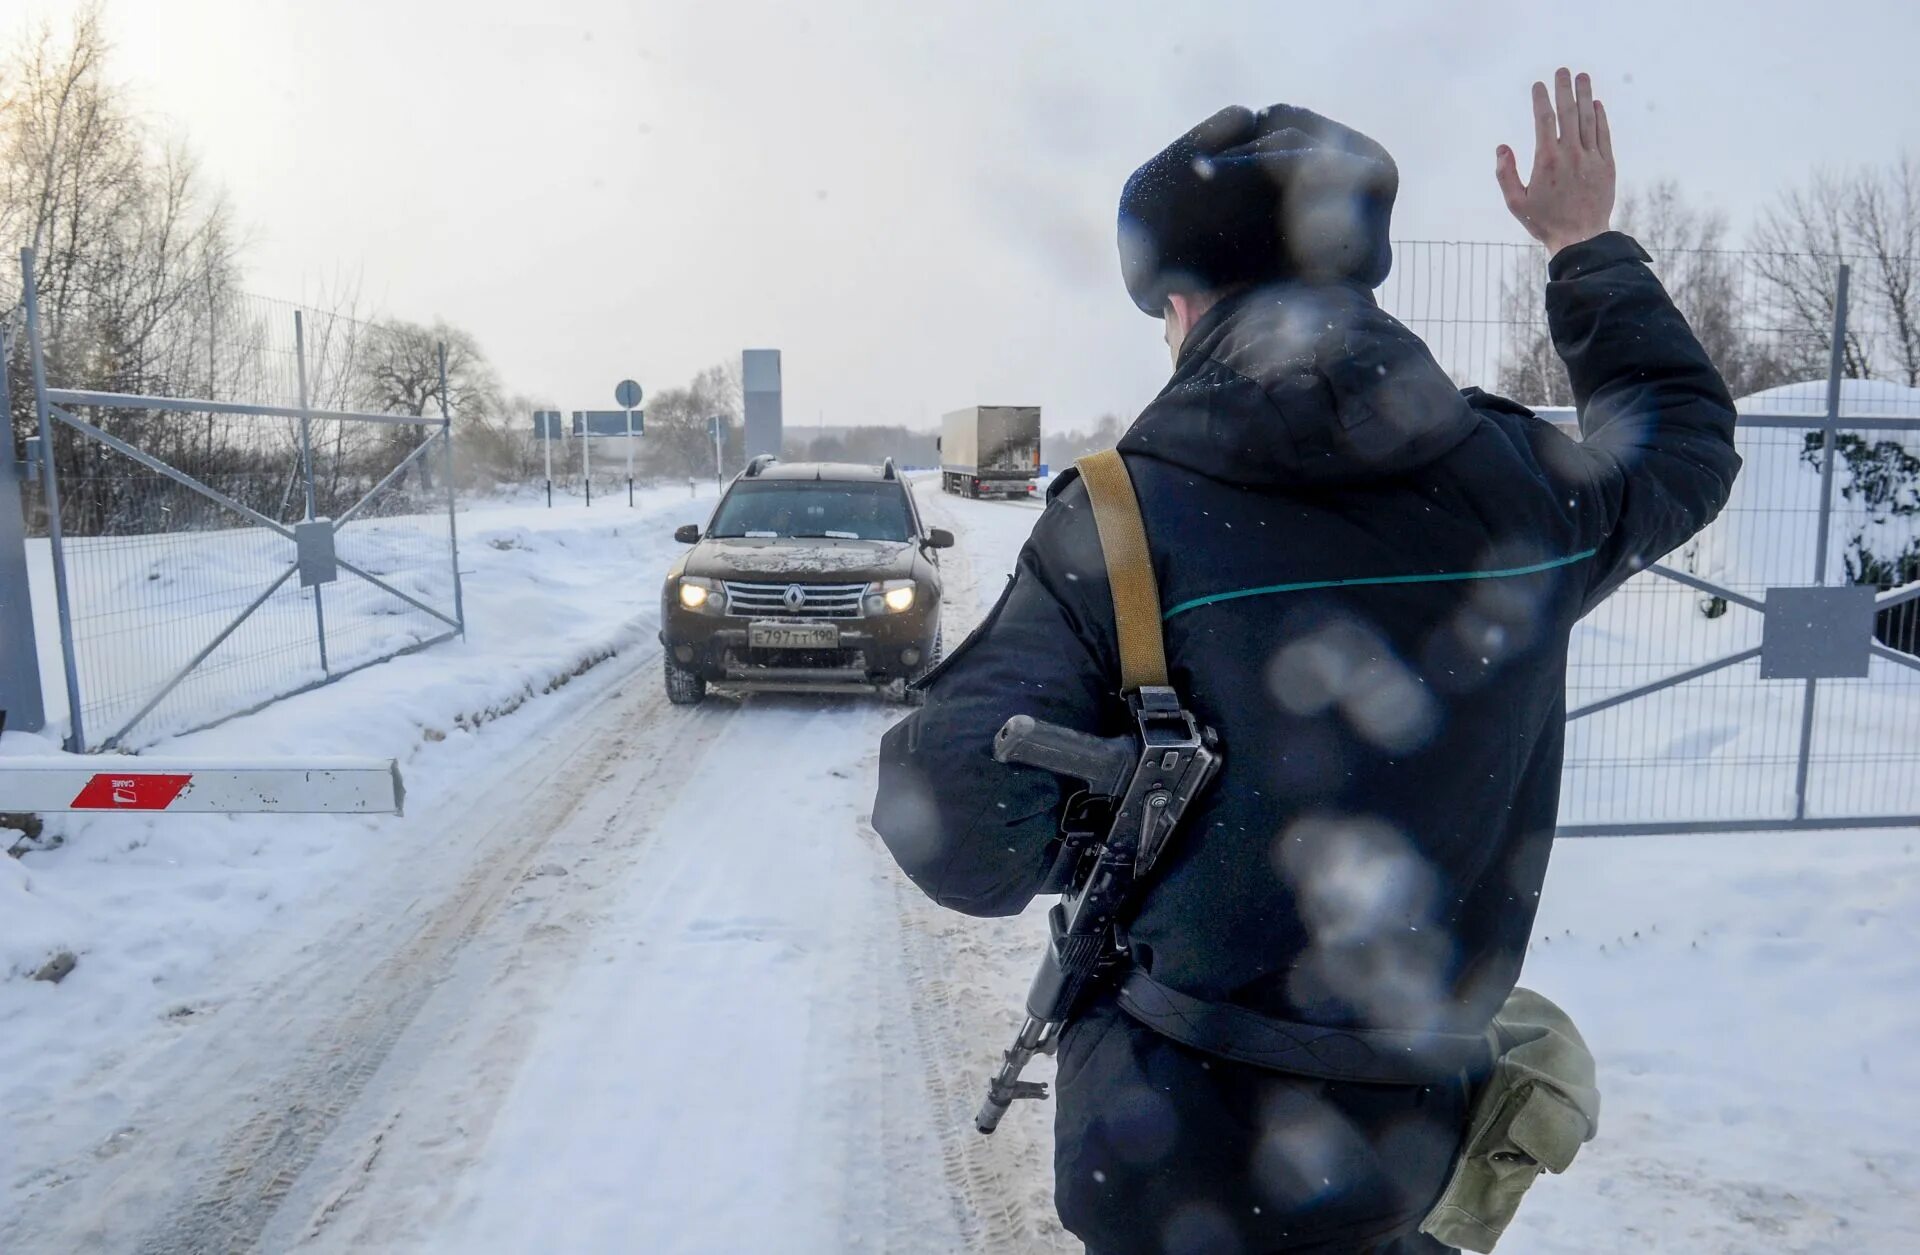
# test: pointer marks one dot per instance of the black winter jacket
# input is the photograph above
(1368, 580)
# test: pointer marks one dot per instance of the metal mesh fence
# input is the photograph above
(178, 501)
(1765, 318)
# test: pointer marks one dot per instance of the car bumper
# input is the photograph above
(870, 652)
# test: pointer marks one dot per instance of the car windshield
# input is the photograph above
(818, 508)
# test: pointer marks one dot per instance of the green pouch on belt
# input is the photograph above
(1536, 1109)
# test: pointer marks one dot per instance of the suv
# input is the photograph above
(808, 576)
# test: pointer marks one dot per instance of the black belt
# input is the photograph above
(1371, 1055)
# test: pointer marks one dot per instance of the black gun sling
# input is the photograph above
(1376, 1056)
(1369, 1055)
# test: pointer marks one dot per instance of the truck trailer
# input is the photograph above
(990, 450)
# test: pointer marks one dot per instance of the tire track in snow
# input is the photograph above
(967, 979)
(320, 1026)
(435, 1100)
(241, 1191)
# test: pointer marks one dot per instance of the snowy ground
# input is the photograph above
(636, 978)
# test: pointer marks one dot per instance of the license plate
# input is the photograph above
(793, 636)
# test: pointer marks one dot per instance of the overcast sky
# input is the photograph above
(914, 201)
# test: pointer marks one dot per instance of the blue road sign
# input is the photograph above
(607, 422)
(626, 394)
(546, 425)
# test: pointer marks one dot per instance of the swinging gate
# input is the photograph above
(209, 556)
(1766, 676)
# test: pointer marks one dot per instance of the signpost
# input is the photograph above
(627, 394)
(547, 422)
(716, 427)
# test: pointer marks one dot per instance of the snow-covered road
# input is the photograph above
(637, 978)
(713, 1019)
(657, 987)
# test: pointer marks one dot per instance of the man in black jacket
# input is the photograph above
(1368, 580)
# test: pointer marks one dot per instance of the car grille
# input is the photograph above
(817, 601)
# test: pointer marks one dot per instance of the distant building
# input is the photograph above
(760, 384)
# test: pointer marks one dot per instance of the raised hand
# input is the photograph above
(1570, 196)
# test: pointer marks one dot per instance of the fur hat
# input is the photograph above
(1250, 198)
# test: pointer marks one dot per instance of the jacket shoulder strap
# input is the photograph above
(1136, 593)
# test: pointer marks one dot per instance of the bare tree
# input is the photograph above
(1805, 237)
(677, 439)
(1883, 222)
(400, 373)
(129, 240)
(1531, 372)
(1709, 283)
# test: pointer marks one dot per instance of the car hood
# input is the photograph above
(810, 561)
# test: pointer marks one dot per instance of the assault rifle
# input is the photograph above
(1136, 788)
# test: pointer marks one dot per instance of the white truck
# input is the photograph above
(990, 450)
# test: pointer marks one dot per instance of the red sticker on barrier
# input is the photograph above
(151, 791)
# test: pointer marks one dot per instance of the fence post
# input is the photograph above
(453, 536)
(21, 704)
(306, 473)
(50, 480)
(1829, 439)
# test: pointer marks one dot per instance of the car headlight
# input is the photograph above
(705, 596)
(891, 597)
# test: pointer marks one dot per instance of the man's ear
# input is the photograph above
(1179, 312)
(1179, 317)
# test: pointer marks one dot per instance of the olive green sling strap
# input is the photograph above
(1136, 593)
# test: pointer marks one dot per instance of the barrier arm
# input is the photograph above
(308, 786)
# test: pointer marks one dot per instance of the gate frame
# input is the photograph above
(50, 406)
(22, 703)
(1829, 426)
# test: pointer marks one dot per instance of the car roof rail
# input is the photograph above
(886, 471)
(758, 464)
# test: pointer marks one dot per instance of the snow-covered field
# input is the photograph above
(638, 978)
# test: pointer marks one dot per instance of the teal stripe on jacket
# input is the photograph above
(1442, 577)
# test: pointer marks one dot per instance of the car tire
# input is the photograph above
(684, 687)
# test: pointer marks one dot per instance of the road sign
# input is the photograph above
(346, 786)
(608, 422)
(546, 425)
(627, 394)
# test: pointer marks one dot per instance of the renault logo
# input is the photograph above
(795, 597)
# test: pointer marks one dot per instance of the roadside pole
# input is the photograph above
(627, 394)
(586, 458)
(306, 473)
(22, 706)
(546, 430)
(719, 481)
